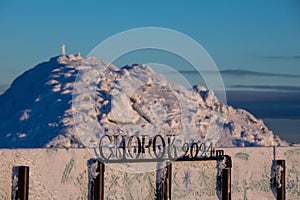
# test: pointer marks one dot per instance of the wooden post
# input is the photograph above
(164, 181)
(23, 183)
(168, 182)
(280, 184)
(97, 187)
(226, 179)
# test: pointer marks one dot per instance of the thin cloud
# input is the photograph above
(234, 72)
(269, 87)
(295, 57)
(263, 96)
(238, 72)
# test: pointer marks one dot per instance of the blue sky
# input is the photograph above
(260, 36)
(256, 35)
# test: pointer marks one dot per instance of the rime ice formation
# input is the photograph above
(38, 109)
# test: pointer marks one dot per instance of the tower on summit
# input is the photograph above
(63, 50)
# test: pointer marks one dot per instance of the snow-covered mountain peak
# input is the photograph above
(69, 100)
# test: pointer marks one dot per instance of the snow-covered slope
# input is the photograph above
(38, 109)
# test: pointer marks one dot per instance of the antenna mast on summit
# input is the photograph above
(63, 50)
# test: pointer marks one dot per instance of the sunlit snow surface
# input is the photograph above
(71, 101)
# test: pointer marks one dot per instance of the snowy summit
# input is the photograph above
(51, 105)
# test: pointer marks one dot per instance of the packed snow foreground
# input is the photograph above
(71, 101)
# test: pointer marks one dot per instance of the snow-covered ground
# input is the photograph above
(63, 174)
